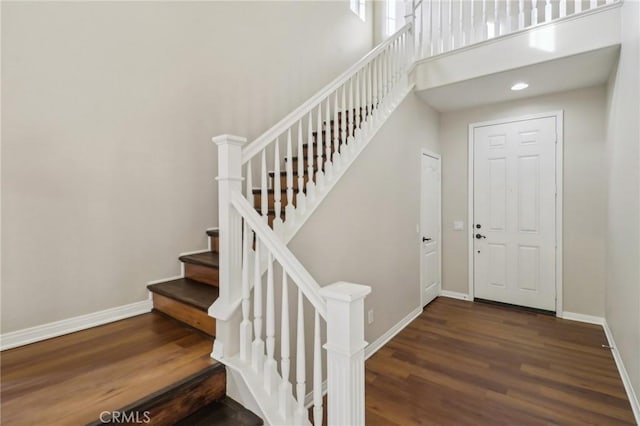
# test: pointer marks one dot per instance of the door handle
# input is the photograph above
(425, 239)
(478, 236)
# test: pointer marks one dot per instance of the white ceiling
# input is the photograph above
(571, 72)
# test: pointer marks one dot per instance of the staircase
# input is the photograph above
(229, 290)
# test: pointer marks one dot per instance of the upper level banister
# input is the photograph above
(292, 266)
(266, 138)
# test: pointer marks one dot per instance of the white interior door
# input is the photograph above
(514, 222)
(430, 228)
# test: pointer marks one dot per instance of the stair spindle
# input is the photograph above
(277, 189)
(375, 86)
(520, 14)
(289, 208)
(285, 385)
(336, 130)
(245, 326)
(264, 191)
(592, 4)
(562, 8)
(431, 33)
(534, 12)
(461, 36)
(350, 113)
(577, 6)
(485, 28)
(450, 25)
(496, 18)
(249, 188)
(370, 92)
(301, 198)
(257, 349)
(319, 150)
(270, 371)
(310, 156)
(440, 25)
(363, 100)
(317, 372)
(301, 384)
(343, 121)
(328, 167)
(358, 111)
(472, 23)
(548, 11)
(508, 19)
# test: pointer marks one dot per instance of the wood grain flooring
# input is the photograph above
(71, 379)
(463, 363)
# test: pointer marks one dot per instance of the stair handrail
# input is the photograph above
(274, 244)
(262, 141)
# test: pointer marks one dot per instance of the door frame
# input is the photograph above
(559, 116)
(436, 156)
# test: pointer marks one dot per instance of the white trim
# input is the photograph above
(559, 116)
(70, 325)
(590, 319)
(435, 156)
(164, 280)
(626, 381)
(454, 295)
(372, 348)
(308, 398)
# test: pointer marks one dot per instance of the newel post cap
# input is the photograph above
(345, 292)
(229, 140)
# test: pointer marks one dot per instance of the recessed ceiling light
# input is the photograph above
(519, 86)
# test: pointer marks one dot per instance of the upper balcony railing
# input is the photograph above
(445, 25)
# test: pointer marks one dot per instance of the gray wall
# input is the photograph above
(584, 191)
(365, 230)
(622, 238)
(108, 109)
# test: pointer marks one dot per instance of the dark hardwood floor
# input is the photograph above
(463, 363)
(71, 379)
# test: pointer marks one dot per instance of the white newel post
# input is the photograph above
(225, 308)
(345, 352)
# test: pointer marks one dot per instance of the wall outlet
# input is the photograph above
(370, 316)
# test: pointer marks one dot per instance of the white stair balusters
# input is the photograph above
(301, 384)
(270, 371)
(277, 189)
(257, 347)
(506, 16)
(317, 371)
(285, 390)
(289, 209)
(311, 187)
(548, 11)
(301, 198)
(323, 143)
(327, 142)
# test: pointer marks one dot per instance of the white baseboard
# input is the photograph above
(70, 325)
(628, 387)
(382, 340)
(454, 295)
(582, 318)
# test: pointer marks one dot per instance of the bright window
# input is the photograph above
(358, 7)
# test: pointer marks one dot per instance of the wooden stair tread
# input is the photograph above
(209, 259)
(213, 232)
(182, 398)
(187, 291)
(225, 412)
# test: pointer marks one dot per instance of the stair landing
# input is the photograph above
(72, 379)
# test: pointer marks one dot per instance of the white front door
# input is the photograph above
(430, 228)
(514, 212)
